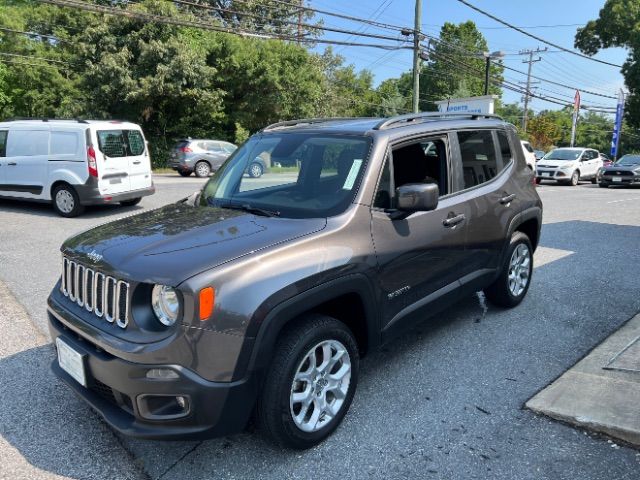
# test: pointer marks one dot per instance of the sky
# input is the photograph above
(559, 67)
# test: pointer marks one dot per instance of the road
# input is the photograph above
(443, 401)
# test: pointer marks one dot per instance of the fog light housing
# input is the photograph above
(162, 374)
(163, 407)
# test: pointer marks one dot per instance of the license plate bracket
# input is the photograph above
(71, 361)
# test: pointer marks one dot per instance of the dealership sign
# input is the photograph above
(485, 104)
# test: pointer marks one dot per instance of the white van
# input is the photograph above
(73, 163)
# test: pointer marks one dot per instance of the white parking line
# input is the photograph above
(624, 200)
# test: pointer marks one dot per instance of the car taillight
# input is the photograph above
(186, 150)
(91, 162)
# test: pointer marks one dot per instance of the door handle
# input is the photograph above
(508, 199)
(12, 164)
(137, 163)
(453, 221)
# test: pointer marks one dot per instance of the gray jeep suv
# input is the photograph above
(261, 295)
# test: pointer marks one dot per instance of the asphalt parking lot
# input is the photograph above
(443, 401)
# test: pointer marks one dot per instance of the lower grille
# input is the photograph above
(621, 173)
(105, 391)
(103, 295)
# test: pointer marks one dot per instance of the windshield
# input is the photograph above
(629, 160)
(301, 175)
(563, 154)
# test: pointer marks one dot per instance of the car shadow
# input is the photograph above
(38, 209)
(457, 379)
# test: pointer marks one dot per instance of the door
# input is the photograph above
(113, 162)
(139, 160)
(26, 163)
(215, 154)
(3, 159)
(421, 257)
(590, 163)
(490, 163)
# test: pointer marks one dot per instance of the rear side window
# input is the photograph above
(63, 143)
(120, 143)
(479, 163)
(28, 143)
(3, 143)
(505, 148)
(528, 147)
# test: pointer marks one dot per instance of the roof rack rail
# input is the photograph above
(306, 121)
(414, 117)
(44, 119)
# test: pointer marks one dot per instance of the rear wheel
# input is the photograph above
(183, 173)
(66, 201)
(515, 277)
(594, 180)
(310, 383)
(131, 203)
(203, 169)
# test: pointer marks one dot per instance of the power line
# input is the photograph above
(206, 26)
(19, 62)
(31, 34)
(32, 57)
(540, 39)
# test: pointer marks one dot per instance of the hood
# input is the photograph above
(178, 241)
(555, 163)
(622, 168)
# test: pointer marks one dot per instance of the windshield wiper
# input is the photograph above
(248, 208)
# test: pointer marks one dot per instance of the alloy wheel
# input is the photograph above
(320, 385)
(519, 270)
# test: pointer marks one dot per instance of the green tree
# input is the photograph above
(618, 26)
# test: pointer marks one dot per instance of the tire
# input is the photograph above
(184, 174)
(202, 169)
(255, 170)
(594, 180)
(65, 201)
(538, 181)
(131, 203)
(575, 178)
(603, 185)
(507, 291)
(276, 406)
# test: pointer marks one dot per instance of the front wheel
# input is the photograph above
(184, 173)
(255, 170)
(594, 180)
(575, 178)
(66, 201)
(203, 169)
(603, 185)
(515, 277)
(310, 383)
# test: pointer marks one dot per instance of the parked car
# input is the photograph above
(625, 171)
(262, 297)
(606, 161)
(539, 154)
(199, 156)
(529, 155)
(569, 165)
(74, 163)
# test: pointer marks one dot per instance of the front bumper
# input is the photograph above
(92, 196)
(619, 180)
(552, 174)
(118, 390)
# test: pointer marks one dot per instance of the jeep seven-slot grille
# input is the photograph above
(103, 295)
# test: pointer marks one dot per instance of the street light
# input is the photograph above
(488, 57)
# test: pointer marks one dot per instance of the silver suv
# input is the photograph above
(199, 156)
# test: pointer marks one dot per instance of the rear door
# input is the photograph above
(3, 159)
(26, 163)
(139, 160)
(113, 161)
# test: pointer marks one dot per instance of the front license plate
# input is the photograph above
(617, 179)
(71, 361)
(546, 174)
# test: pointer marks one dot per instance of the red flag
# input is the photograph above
(576, 101)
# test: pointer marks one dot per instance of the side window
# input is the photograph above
(424, 161)
(479, 163)
(63, 143)
(111, 143)
(3, 143)
(136, 142)
(505, 148)
(214, 147)
(28, 143)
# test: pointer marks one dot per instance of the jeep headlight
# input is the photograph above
(166, 304)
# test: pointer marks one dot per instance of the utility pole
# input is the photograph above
(300, 12)
(527, 94)
(416, 56)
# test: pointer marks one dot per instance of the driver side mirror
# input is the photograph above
(417, 197)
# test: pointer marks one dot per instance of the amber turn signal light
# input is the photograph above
(207, 300)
